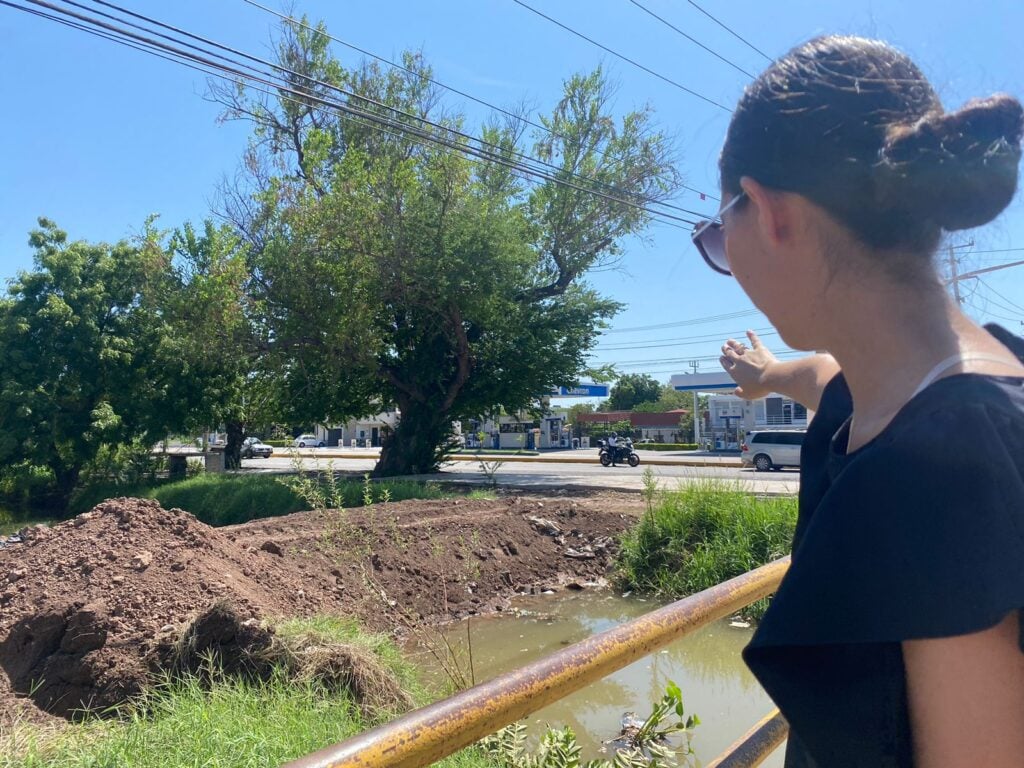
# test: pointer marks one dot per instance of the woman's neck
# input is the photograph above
(887, 338)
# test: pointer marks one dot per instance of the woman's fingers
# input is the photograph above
(755, 342)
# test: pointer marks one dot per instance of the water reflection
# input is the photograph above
(706, 665)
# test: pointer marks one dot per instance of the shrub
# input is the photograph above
(229, 499)
(703, 534)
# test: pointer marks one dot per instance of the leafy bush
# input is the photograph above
(646, 746)
(228, 499)
(703, 534)
(26, 489)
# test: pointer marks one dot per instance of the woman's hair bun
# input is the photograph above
(958, 169)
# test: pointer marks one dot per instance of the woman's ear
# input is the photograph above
(773, 211)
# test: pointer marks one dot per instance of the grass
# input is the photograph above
(703, 534)
(233, 724)
(226, 499)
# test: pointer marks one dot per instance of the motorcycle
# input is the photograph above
(625, 453)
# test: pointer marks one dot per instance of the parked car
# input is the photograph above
(645, 441)
(253, 447)
(308, 441)
(772, 449)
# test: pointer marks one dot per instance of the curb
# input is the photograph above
(666, 462)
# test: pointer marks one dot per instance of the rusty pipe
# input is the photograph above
(430, 733)
(755, 745)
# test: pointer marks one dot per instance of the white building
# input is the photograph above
(729, 418)
(364, 433)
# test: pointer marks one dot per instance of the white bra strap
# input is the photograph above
(953, 360)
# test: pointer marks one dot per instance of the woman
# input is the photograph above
(896, 638)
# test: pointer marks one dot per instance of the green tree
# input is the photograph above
(631, 390)
(88, 362)
(221, 332)
(396, 271)
(574, 411)
(669, 400)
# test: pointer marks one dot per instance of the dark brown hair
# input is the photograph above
(854, 126)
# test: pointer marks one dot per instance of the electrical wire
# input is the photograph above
(993, 314)
(694, 321)
(732, 32)
(349, 94)
(191, 60)
(693, 40)
(999, 305)
(683, 362)
(628, 60)
(1016, 307)
(525, 120)
(689, 340)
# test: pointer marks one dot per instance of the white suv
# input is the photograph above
(772, 449)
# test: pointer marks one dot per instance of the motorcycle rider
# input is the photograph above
(613, 448)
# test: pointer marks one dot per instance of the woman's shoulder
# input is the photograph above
(922, 536)
(974, 416)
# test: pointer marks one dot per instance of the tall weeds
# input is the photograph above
(703, 534)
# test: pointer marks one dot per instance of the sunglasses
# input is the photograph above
(709, 237)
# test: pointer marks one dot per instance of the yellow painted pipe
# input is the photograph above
(753, 747)
(426, 735)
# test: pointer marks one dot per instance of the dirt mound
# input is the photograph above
(87, 606)
(219, 642)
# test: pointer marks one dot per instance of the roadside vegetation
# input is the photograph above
(239, 722)
(702, 534)
(218, 499)
(329, 680)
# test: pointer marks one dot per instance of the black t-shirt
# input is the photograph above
(917, 534)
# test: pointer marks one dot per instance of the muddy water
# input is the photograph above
(706, 665)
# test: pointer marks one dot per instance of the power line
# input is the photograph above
(659, 367)
(1014, 307)
(349, 94)
(693, 40)
(183, 57)
(656, 343)
(694, 321)
(628, 60)
(396, 65)
(731, 32)
(993, 314)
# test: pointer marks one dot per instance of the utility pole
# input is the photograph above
(695, 364)
(956, 277)
(953, 277)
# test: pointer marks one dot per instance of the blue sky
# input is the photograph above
(97, 136)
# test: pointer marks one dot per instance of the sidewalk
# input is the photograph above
(563, 456)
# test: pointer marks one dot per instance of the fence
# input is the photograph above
(426, 735)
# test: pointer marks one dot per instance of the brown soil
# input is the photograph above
(87, 607)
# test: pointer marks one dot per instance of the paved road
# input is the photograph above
(546, 474)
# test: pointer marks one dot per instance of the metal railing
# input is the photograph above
(430, 733)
